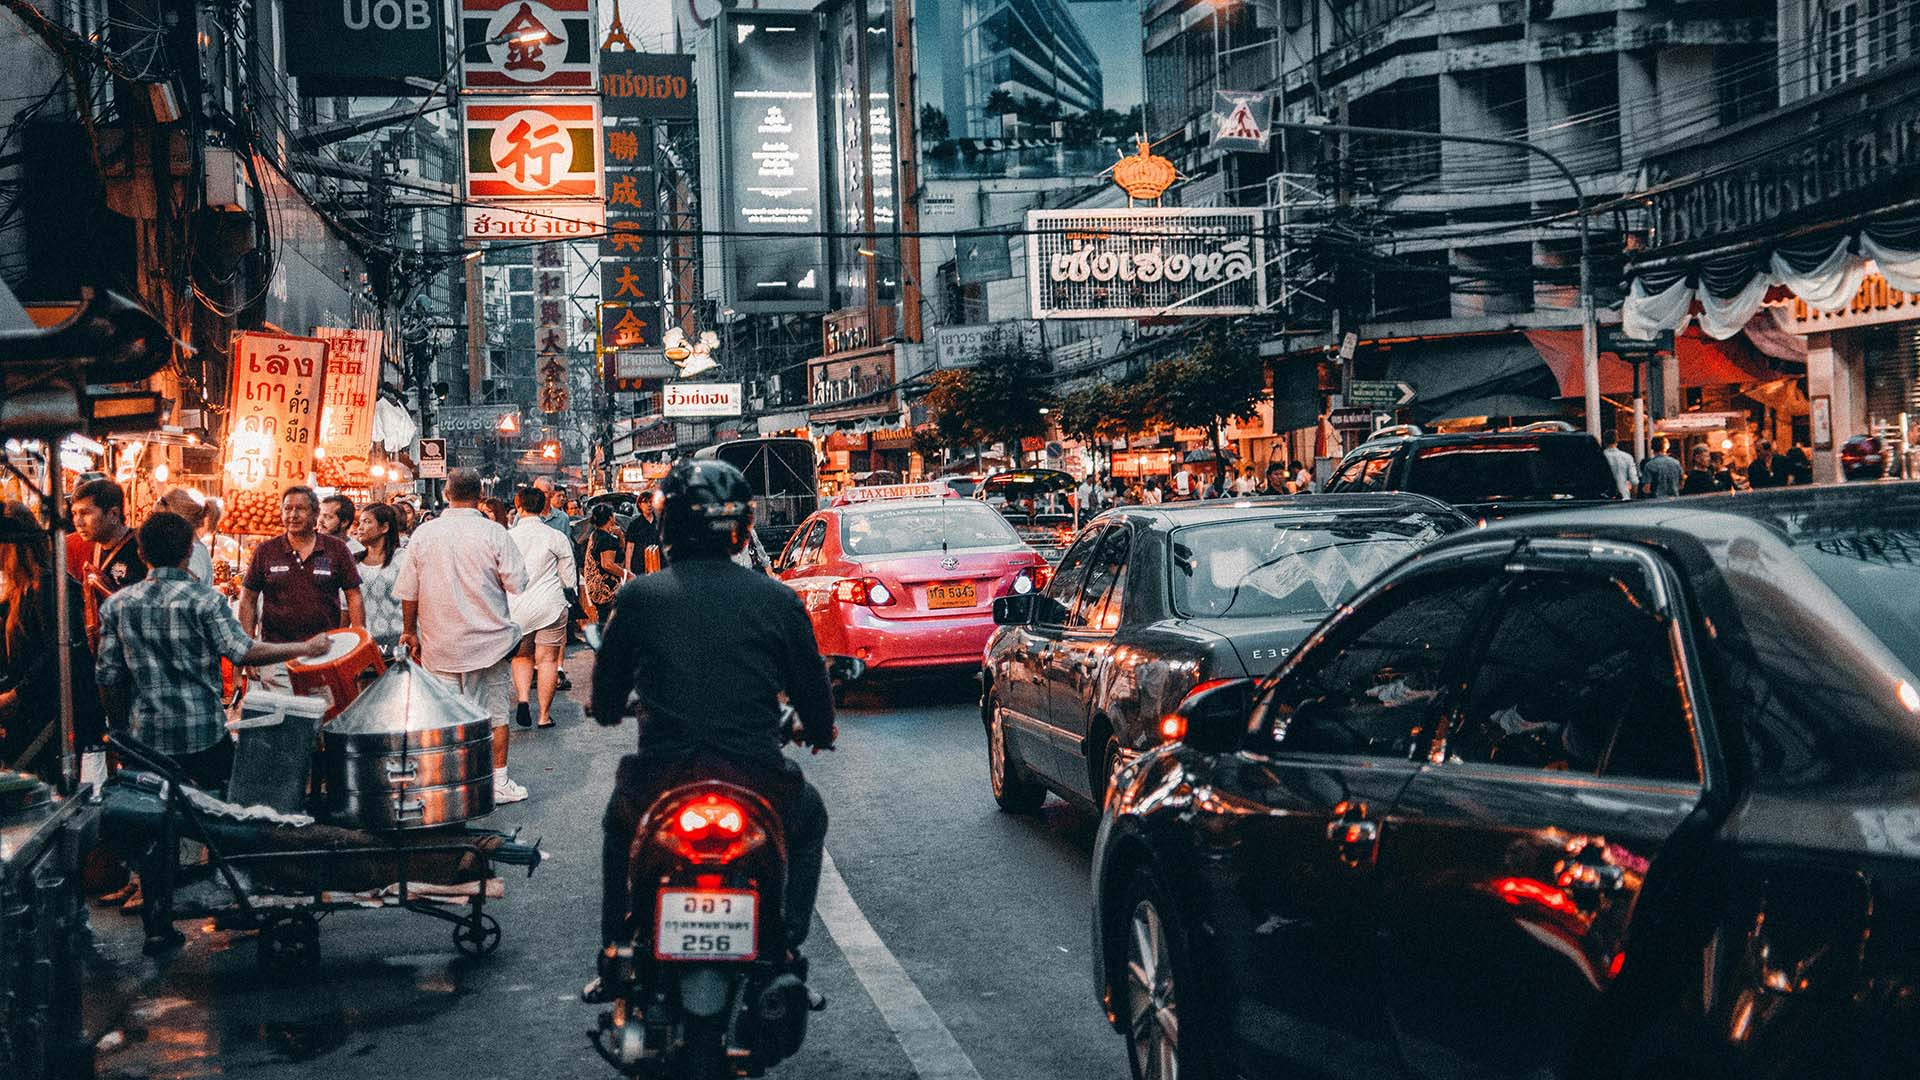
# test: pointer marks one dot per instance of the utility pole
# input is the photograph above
(1589, 328)
(907, 208)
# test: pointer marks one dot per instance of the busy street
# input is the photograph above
(956, 947)
(960, 539)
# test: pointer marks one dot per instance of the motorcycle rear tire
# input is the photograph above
(703, 1054)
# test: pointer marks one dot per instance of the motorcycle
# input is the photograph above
(704, 989)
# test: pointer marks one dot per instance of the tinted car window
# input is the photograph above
(1056, 600)
(1099, 606)
(1372, 685)
(1578, 676)
(805, 548)
(917, 528)
(1876, 574)
(1256, 567)
(1508, 469)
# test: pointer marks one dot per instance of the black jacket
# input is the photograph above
(710, 646)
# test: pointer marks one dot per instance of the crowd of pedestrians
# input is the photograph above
(1707, 470)
(1184, 484)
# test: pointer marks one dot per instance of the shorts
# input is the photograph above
(490, 688)
(551, 637)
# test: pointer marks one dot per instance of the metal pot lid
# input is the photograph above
(405, 700)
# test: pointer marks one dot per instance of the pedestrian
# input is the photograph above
(377, 527)
(29, 669)
(495, 509)
(1246, 484)
(300, 581)
(602, 573)
(111, 559)
(1702, 478)
(541, 609)
(1278, 481)
(453, 588)
(161, 642)
(1150, 494)
(1626, 475)
(408, 517)
(336, 520)
(1303, 483)
(555, 517)
(1767, 469)
(1184, 483)
(1799, 465)
(192, 505)
(1661, 475)
(643, 537)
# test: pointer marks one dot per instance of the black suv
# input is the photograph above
(1486, 474)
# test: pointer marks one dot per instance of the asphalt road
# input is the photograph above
(958, 948)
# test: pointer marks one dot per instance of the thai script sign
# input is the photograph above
(1875, 302)
(458, 419)
(346, 404)
(960, 346)
(700, 399)
(528, 45)
(646, 86)
(273, 410)
(847, 387)
(1103, 264)
(572, 219)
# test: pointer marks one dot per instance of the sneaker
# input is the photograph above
(523, 714)
(506, 791)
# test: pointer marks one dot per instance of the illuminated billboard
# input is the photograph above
(772, 172)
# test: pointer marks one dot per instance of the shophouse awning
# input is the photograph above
(1486, 375)
(1702, 362)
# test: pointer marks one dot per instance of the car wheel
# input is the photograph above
(1109, 762)
(1014, 793)
(1157, 998)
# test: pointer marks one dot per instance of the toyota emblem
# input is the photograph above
(949, 563)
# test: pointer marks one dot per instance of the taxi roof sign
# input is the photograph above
(928, 490)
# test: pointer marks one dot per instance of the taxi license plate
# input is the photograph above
(955, 594)
(706, 924)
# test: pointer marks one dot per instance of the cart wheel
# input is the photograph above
(478, 935)
(289, 941)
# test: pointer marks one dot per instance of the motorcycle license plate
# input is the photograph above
(706, 924)
(952, 595)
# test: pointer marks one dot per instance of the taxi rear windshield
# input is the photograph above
(1510, 470)
(914, 529)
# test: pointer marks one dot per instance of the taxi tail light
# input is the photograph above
(1031, 579)
(868, 591)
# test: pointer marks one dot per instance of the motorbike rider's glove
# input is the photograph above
(819, 741)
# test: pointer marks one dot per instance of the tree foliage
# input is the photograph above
(1219, 379)
(997, 400)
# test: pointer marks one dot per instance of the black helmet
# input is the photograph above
(705, 509)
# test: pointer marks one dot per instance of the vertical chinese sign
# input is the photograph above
(550, 335)
(630, 251)
(533, 162)
(273, 414)
(346, 405)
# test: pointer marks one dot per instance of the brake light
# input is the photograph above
(711, 815)
(1173, 726)
(872, 592)
(1031, 579)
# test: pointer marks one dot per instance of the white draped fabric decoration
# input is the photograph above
(393, 427)
(1829, 286)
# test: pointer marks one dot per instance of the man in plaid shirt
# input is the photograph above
(162, 640)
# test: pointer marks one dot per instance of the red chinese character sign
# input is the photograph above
(550, 325)
(528, 45)
(630, 251)
(533, 167)
(347, 399)
(273, 414)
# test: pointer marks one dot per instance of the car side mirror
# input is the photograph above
(1016, 610)
(1213, 717)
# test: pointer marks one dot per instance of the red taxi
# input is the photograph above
(905, 575)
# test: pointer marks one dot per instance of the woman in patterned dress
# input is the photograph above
(378, 527)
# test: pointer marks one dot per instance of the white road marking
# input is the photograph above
(929, 1046)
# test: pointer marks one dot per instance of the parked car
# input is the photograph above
(1488, 475)
(1863, 457)
(1152, 601)
(1610, 793)
(906, 582)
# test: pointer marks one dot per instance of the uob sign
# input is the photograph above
(344, 46)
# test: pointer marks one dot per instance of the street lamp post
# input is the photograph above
(1589, 329)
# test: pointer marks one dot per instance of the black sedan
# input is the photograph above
(1628, 792)
(1150, 602)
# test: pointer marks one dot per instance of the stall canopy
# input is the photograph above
(1701, 361)
(1490, 375)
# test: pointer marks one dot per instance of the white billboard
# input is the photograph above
(1151, 261)
(700, 399)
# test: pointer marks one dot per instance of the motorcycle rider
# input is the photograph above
(709, 646)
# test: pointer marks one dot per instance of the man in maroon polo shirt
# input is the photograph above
(296, 581)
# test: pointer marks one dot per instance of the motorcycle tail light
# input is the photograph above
(868, 591)
(711, 829)
(711, 815)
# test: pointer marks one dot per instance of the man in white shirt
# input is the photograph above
(1183, 483)
(453, 590)
(1626, 475)
(541, 611)
(1246, 484)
